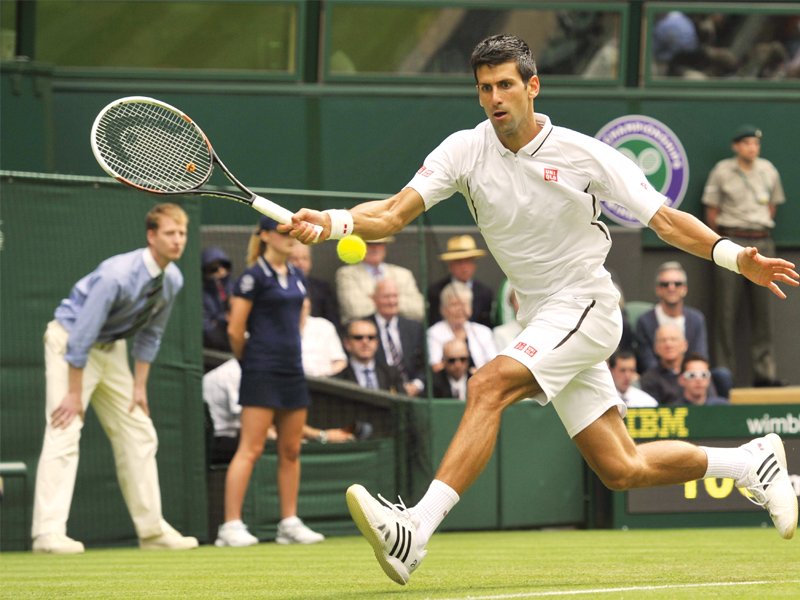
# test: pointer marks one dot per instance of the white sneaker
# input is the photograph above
(56, 543)
(293, 531)
(769, 485)
(235, 534)
(390, 531)
(169, 539)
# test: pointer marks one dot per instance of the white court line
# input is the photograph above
(635, 588)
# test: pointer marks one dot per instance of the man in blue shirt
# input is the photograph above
(127, 296)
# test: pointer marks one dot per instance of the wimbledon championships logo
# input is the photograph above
(658, 152)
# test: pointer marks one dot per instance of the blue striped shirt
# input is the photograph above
(104, 304)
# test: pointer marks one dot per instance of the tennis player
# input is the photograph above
(533, 189)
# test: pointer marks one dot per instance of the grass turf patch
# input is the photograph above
(696, 563)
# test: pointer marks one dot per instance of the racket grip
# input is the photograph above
(277, 212)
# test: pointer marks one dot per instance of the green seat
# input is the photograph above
(635, 309)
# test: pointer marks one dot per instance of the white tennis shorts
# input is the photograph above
(565, 346)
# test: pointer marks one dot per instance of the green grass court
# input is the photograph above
(696, 563)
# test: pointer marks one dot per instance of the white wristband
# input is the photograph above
(725, 252)
(341, 223)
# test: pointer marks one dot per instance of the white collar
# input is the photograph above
(150, 263)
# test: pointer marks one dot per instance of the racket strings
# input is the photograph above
(153, 147)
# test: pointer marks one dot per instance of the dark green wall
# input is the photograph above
(362, 138)
(53, 234)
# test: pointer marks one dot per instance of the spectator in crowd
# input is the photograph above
(361, 343)
(456, 307)
(661, 381)
(505, 333)
(451, 382)
(461, 260)
(128, 296)
(622, 365)
(221, 395)
(695, 382)
(323, 355)
(672, 286)
(323, 300)
(217, 289)
(741, 198)
(356, 283)
(266, 306)
(400, 340)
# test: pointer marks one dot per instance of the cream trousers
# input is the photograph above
(108, 384)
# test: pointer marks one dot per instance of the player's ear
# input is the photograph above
(533, 87)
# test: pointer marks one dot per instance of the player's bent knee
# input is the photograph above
(485, 392)
(618, 476)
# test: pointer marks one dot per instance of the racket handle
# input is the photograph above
(277, 212)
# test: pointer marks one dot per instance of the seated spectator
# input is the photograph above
(504, 334)
(695, 381)
(400, 340)
(221, 395)
(622, 365)
(456, 306)
(661, 381)
(672, 287)
(323, 300)
(361, 343)
(451, 382)
(322, 350)
(217, 290)
(355, 285)
(460, 259)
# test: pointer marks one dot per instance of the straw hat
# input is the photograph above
(461, 246)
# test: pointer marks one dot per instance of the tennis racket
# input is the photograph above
(152, 146)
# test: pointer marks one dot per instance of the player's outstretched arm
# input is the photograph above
(371, 220)
(686, 232)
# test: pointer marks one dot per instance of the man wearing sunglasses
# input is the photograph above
(671, 287)
(695, 379)
(451, 382)
(361, 344)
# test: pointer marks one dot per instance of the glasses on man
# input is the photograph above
(360, 337)
(696, 375)
(451, 360)
(666, 284)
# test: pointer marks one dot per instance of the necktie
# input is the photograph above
(394, 352)
(369, 378)
(153, 294)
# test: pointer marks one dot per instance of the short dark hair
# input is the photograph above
(499, 49)
(620, 355)
(691, 357)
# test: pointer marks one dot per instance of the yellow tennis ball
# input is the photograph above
(351, 249)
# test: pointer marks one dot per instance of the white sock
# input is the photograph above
(432, 509)
(727, 462)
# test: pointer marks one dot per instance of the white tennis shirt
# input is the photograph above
(538, 209)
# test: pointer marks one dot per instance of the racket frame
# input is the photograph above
(263, 205)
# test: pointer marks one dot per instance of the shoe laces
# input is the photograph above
(756, 494)
(398, 510)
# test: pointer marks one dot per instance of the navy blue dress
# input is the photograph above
(272, 364)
